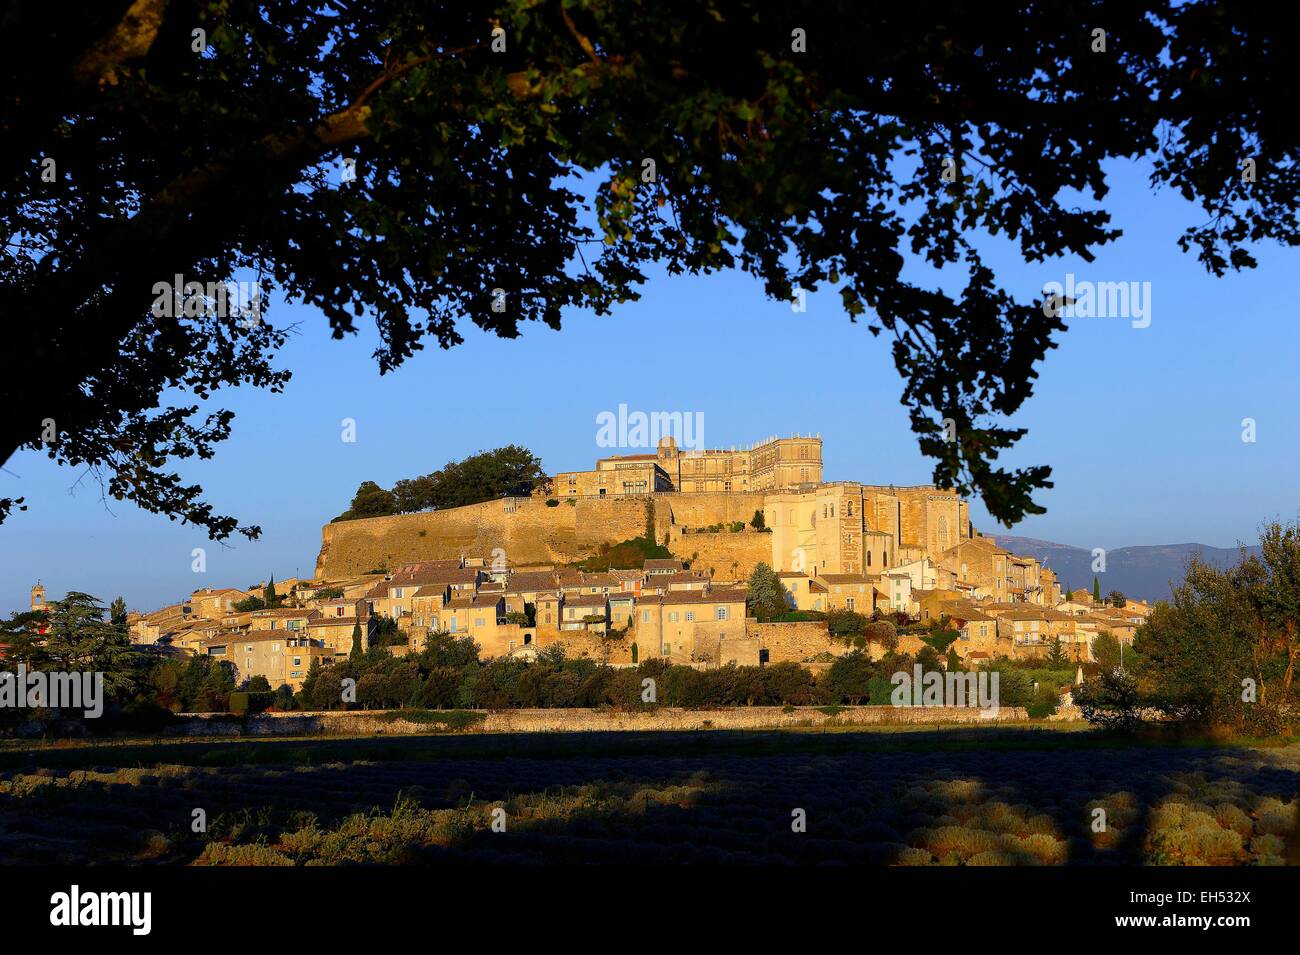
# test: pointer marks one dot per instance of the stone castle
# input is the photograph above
(822, 528)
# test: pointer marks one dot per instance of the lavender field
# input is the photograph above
(946, 797)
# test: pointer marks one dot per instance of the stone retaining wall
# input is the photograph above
(585, 720)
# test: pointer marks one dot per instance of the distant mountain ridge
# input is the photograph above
(1145, 572)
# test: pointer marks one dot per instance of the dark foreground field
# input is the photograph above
(954, 796)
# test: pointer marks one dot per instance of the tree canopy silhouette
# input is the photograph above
(414, 163)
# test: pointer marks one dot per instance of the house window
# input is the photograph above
(645, 616)
(668, 649)
(721, 613)
(297, 661)
(478, 622)
(690, 615)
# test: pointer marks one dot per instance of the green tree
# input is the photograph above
(844, 623)
(511, 471)
(954, 662)
(117, 613)
(313, 687)
(78, 638)
(849, 678)
(766, 597)
(1116, 598)
(371, 500)
(1057, 658)
(807, 167)
(358, 645)
(1207, 656)
(788, 682)
(268, 593)
(1275, 595)
(414, 494)
(1096, 589)
(883, 632)
(758, 522)
(1111, 699)
(1105, 650)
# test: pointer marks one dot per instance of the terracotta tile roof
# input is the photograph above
(424, 566)
(333, 621)
(658, 563)
(252, 636)
(530, 581)
(682, 577)
(698, 598)
(585, 600)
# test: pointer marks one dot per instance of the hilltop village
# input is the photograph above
(516, 575)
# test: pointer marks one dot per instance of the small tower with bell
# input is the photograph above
(38, 596)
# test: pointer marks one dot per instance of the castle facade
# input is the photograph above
(768, 465)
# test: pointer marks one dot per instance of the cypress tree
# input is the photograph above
(358, 651)
(1096, 589)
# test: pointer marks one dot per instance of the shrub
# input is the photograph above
(246, 703)
(552, 502)
(1110, 700)
(453, 720)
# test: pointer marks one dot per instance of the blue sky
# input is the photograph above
(1142, 427)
